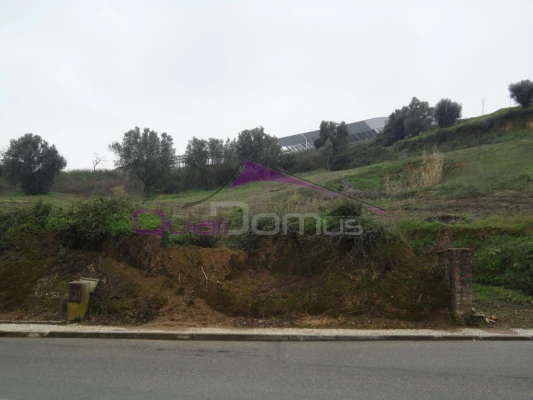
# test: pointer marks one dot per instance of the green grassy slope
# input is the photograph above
(493, 179)
(482, 198)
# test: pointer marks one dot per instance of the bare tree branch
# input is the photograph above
(98, 161)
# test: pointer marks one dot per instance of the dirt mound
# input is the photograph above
(286, 279)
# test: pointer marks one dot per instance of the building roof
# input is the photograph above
(358, 131)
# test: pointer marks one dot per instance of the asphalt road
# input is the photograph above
(138, 369)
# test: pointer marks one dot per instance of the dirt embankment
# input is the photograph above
(289, 279)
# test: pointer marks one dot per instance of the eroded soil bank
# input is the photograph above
(285, 280)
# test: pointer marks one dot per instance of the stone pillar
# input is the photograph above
(458, 266)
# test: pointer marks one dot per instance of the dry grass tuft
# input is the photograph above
(428, 172)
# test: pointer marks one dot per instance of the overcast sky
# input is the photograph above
(80, 74)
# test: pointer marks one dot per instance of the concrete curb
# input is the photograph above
(244, 337)
(24, 322)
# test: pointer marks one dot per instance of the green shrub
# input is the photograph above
(86, 182)
(189, 240)
(90, 222)
(26, 220)
(505, 261)
(361, 154)
(499, 294)
(4, 186)
(304, 161)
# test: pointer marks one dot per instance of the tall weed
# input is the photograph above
(428, 172)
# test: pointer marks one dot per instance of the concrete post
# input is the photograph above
(78, 300)
(458, 266)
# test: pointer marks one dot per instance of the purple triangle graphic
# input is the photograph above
(253, 172)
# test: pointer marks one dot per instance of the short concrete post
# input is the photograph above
(79, 293)
(458, 266)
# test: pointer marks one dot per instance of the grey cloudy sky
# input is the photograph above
(80, 74)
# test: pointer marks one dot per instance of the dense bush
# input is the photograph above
(361, 154)
(4, 186)
(90, 222)
(33, 219)
(87, 182)
(304, 161)
(187, 178)
(505, 261)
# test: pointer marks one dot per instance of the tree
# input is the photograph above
(327, 151)
(337, 134)
(145, 155)
(394, 128)
(407, 121)
(98, 160)
(522, 92)
(210, 162)
(447, 112)
(32, 163)
(216, 151)
(2, 152)
(419, 116)
(197, 159)
(197, 153)
(230, 153)
(257, 145)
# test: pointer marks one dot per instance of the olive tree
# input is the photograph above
(447, 112)
(146, 155)
(522, 92)
(31, 162)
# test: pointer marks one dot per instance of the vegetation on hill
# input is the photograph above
(471, 132)
(465, 185)
(250, 276)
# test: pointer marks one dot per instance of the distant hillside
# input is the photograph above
(471, 132)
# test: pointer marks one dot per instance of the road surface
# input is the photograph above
(139, 369)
